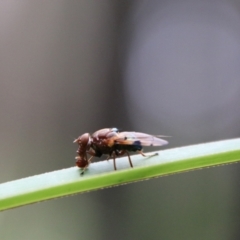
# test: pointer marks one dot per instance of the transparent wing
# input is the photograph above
(137, 138)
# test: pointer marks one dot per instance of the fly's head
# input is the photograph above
(81, 161)
(84, 142)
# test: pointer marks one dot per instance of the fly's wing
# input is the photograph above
(137, 138)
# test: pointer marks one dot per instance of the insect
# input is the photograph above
(113, 143)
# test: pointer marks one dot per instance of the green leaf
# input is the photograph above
(101, 174)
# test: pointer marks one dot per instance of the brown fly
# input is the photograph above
(113, 143)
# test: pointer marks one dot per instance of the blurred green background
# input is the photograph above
(160, 67)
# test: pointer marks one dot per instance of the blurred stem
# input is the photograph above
(101, 174)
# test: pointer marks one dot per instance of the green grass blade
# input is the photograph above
(99, 175)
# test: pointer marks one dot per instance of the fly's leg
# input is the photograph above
(144, 155)
(129, 159)
(90, 160)
(83, 170)
(113, 156)
(121, 153)
(114, 160)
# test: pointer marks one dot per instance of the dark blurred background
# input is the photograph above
(160, 67)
